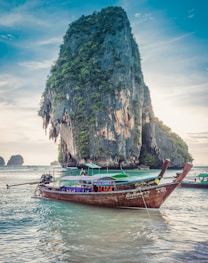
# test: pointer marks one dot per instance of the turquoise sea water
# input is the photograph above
(34, 230)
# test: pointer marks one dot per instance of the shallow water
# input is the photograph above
(34, 230)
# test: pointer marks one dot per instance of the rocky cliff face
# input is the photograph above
(96, 99)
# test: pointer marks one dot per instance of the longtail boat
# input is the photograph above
(92, 190)
(201, 181)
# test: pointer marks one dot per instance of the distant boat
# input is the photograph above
(201, 181)
(143, 167)
(99, 191)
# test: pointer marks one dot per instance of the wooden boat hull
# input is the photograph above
(149, 197)
(133, 185)
(193, 185)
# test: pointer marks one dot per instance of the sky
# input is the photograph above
(172, 37)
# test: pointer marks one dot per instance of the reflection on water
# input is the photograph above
(87, 233)
(35, 230)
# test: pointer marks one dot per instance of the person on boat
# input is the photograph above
(82, 172)
(122, 171)
(95, 188)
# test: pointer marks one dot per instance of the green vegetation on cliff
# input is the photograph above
(169, 144)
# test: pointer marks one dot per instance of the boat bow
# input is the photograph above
(183, 174)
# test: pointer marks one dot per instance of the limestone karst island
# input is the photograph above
(97, 103)
(13, 160)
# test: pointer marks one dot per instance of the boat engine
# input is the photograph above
(46, 178)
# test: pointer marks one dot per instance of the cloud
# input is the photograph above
(21, 132)
(10, 19)
(7, 37)
(191, 14)
(172, 63)
(198, 144)
(18, 18)
(9, 83)
(36, 65)
(22, 14)
(144, 17)
(199, 136)
(50, 41)
(30, 150)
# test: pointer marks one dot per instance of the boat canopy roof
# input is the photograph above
(120, 174)
(114, 175)
(203, 175)
(85, 178)
(93, 166)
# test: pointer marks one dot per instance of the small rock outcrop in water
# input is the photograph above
(96, 99)
(54, 163)
(2, 162)
(15, 160)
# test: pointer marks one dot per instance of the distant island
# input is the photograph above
(2, 162)
(14, 160)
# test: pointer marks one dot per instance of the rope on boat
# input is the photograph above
(144, 202)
